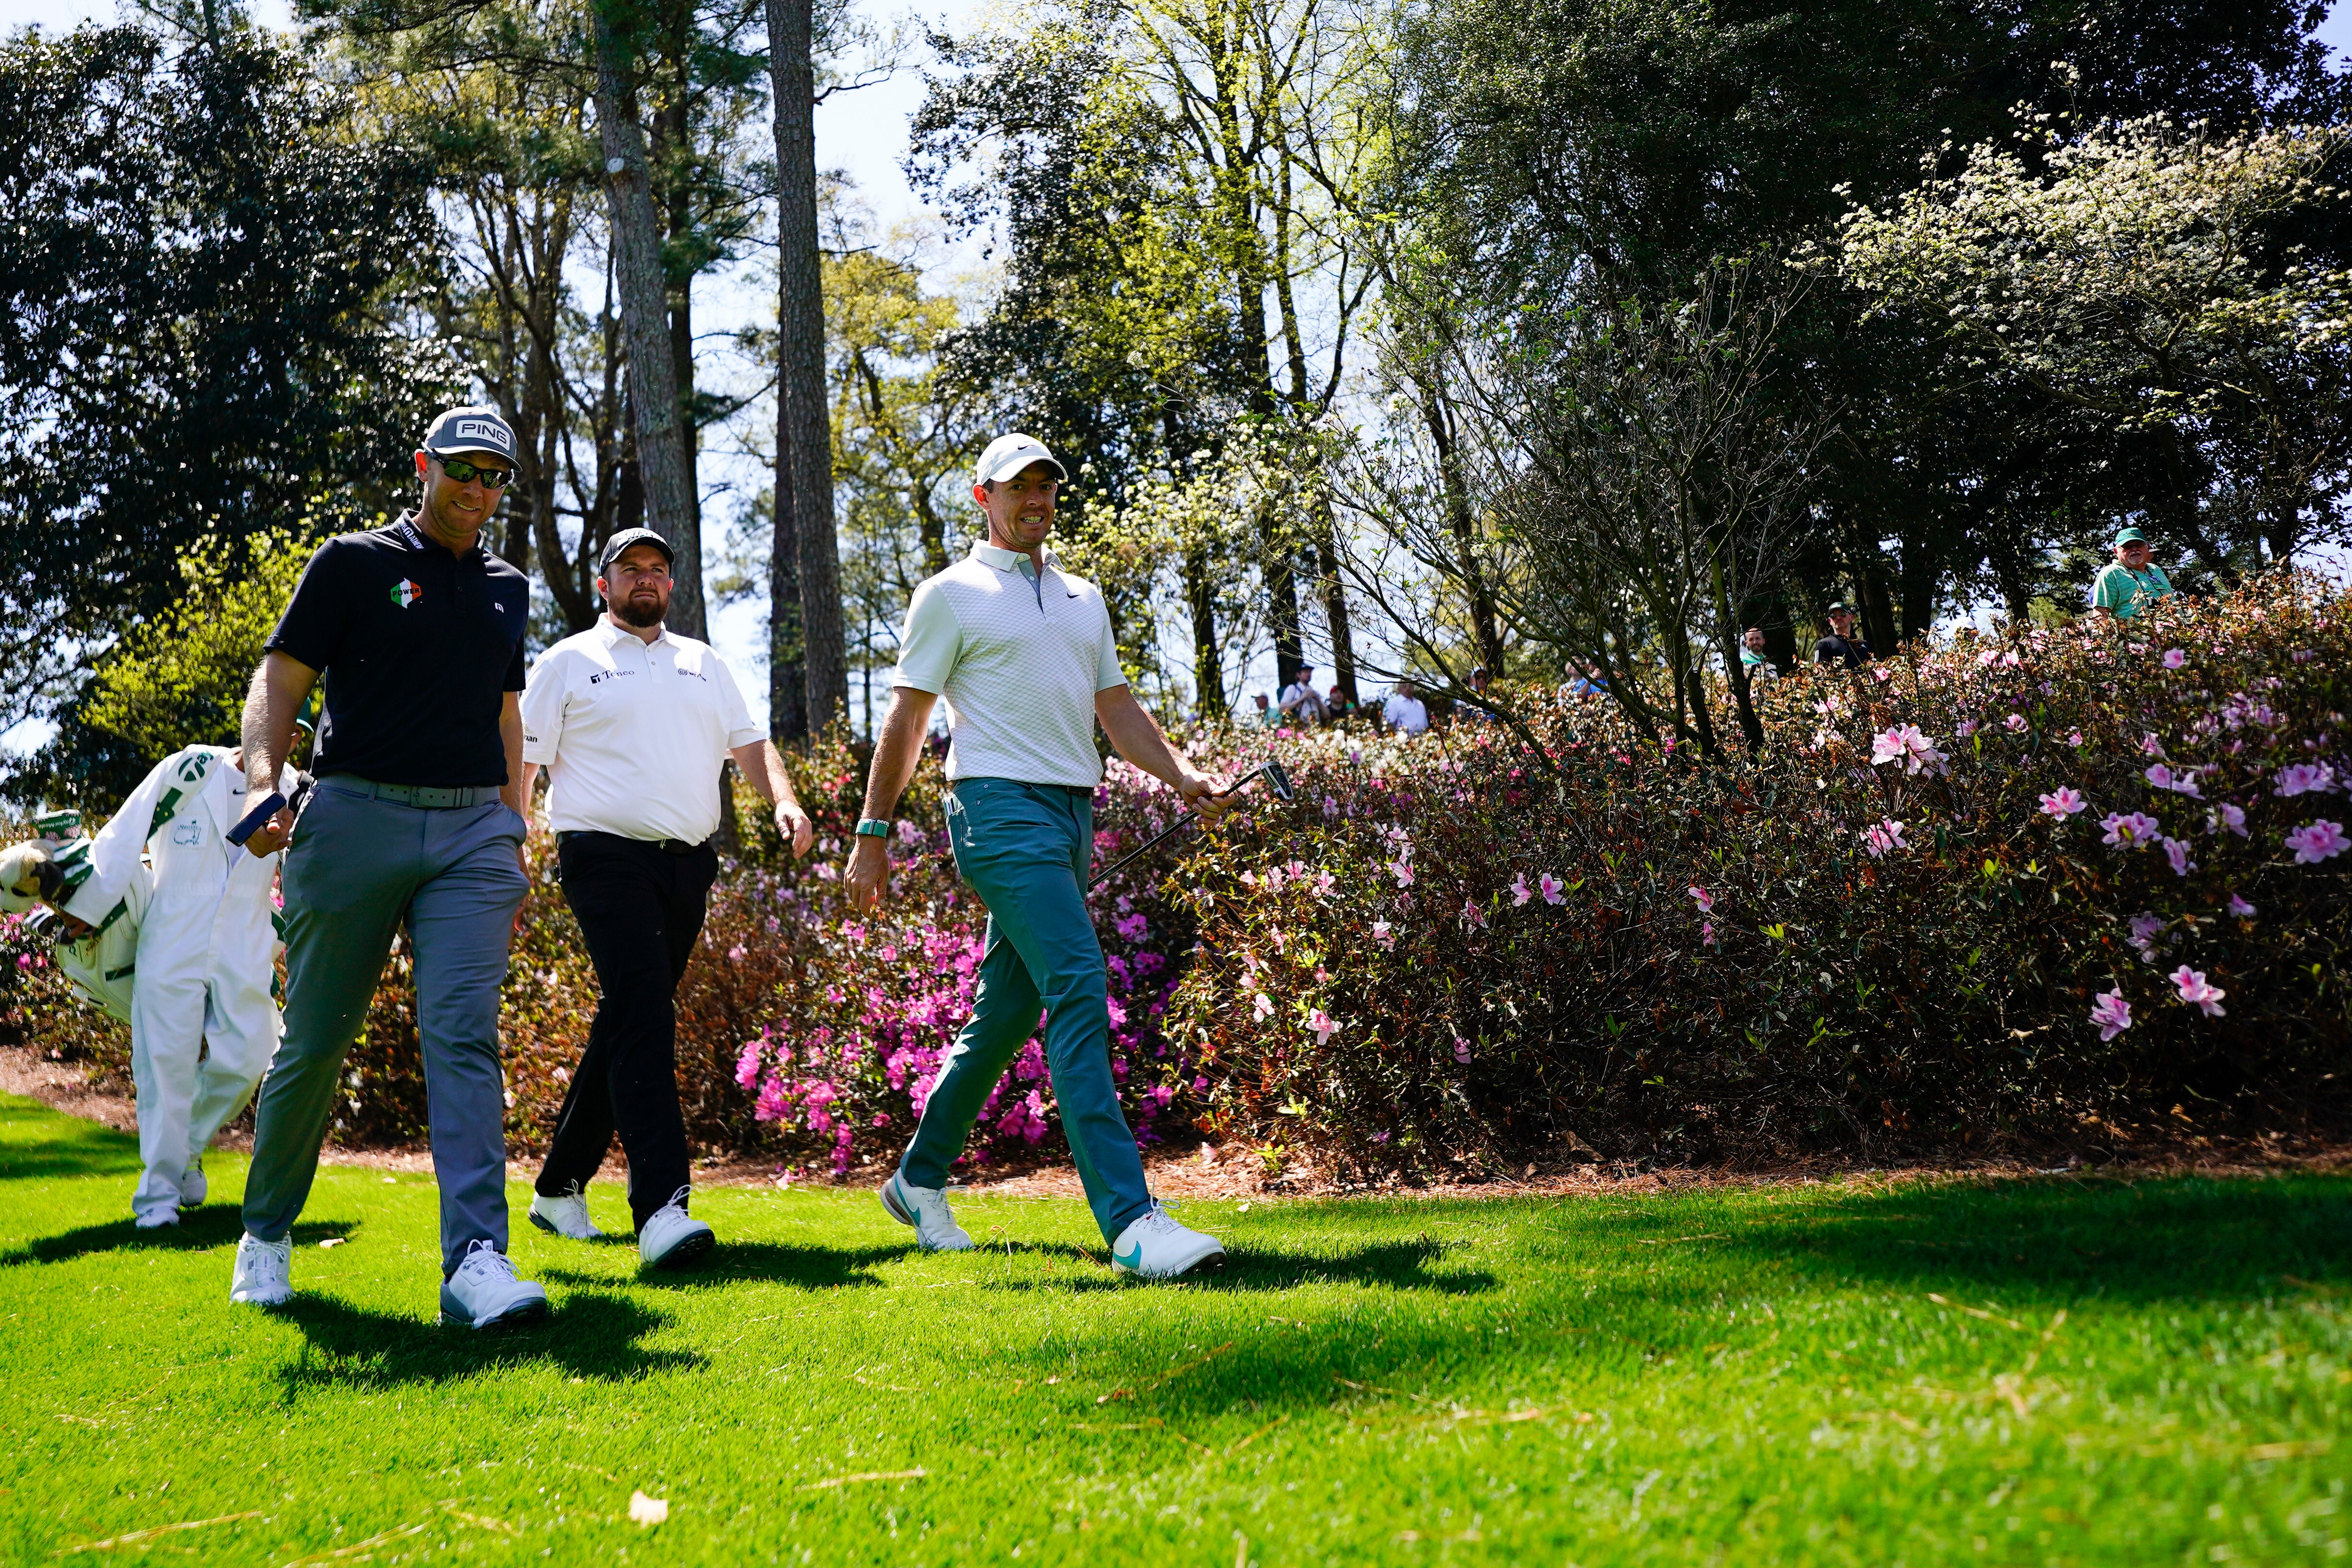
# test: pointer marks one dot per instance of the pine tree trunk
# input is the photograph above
(804, 409)
(787, 693)
(662, 436)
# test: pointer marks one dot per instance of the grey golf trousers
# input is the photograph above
(358, 868)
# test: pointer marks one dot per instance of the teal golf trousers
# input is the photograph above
(1027, 850)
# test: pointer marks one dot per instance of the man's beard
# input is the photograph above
(634, 611)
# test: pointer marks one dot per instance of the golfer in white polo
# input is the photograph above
(1024, 654)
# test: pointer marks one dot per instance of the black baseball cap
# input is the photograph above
(627, 538)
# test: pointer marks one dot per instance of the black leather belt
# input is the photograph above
(667, 846)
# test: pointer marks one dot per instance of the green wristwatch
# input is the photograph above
(873, 828)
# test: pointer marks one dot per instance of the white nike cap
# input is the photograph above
(1008, 454)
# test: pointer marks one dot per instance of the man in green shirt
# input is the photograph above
(2130, 583)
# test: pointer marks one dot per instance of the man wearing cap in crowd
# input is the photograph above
(1301, 701)
(2131, 582)
(417, 632)
(1842, 647)
(1024, 654)
(633, 723)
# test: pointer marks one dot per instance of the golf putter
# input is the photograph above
(1270, 771)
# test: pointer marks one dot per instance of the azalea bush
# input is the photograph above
(2073, 882)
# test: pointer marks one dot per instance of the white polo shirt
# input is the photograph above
(631, 733)
(1019, 655)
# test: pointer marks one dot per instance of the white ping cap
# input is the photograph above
(1008, 454)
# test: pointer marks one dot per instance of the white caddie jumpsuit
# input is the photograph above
(205, 964)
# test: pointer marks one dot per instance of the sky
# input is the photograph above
(862, 133)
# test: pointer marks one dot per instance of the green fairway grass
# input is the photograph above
(2047, 1371)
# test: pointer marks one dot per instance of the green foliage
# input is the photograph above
(1857, 1371)
(208, 266)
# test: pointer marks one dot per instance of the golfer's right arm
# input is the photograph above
(281, 684)
(896, 756)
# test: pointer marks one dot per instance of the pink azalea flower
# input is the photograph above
(1907, 745)
(2063, 803)
(2227, 816)
(2013, 723)
(1882, 838)
(1520, 891)
(1705, 900)
(2317, 841)
(1707, 932)
(1552, 886)
(2149, 745)
(2181, 783)
(2110, 1014)
(1402, 870)
(2073, 737)
(2305, 778)
(1965, 729)
(2174, 658)
(2144, 931)
(1472, 914)
(2130, 829)
(2194, 988)
(2176, 851)
(1461, 1050)
(2241, 908)
(1262, 1005)
(1383, 934)
(1323, 1026)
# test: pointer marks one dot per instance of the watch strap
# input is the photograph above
(873, 828)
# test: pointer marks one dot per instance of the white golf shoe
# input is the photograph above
(671, 1238)
(193, 1186)
(1154, 1247)
(483, 1292)
(565, 1215)
(925, 1209)
(264, 1270)
(154, 1219)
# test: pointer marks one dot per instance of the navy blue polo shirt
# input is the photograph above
(418, 648)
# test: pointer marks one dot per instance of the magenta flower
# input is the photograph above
(2317, 841)
(2176, 851)
(1402, 870)
(2144, 931)
(1705, 900)
(2181, 783)
(2073, 737)
(1324, 1026)
(1520, 891)
(1552, 886)
(1907, 745)
(2194, 988)
(1471, 914)
(2149, 745)
(2063, 803)
(2013, 723)
(2225, 815)
(747, 1065)
(2174, 658)
(2110, 1014)
(2241, 908)
(1707, 932)
(1461, 1051)
(2130, 829)
(2305, 778)
(1882, 838)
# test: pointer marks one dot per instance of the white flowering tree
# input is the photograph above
(2138, 271)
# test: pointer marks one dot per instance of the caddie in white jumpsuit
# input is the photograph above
(202, 1022)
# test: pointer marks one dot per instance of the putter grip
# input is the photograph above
(253, 821)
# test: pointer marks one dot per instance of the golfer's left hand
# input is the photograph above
(1206, 796)
(795, 824)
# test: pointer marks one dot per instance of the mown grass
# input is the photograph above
(2114, 1373)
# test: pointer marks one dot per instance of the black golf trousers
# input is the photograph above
(640, 909)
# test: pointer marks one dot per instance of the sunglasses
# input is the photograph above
(460, 471)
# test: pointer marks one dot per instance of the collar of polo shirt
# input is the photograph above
(613, 633)
(1004, 559)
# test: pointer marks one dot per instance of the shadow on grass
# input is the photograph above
(38, 1144)
(199, 1231)
(1399, 1265)
(732, 1262)
(588, 1336)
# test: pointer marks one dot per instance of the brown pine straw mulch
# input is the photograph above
(1207, 1172)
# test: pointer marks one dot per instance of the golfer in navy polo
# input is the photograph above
(416, 821)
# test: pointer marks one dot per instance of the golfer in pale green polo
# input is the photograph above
(2131, 582)
(1024, 654)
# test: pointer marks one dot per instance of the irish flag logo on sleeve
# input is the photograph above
(405, 593)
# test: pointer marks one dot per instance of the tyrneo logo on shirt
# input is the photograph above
(405, 593)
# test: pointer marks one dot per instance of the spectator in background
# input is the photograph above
(1338, 705)
(1590, 684)
(1301, 702)
(1404, 712)
(1751, 655)
(1267, 717)
(2127, 586)
(1475, 707)
(1842, 647)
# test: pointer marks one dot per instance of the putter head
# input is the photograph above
(1276, 780)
